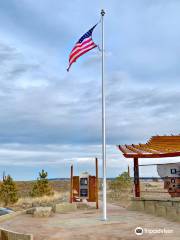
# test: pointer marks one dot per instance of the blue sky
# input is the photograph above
(49, 118)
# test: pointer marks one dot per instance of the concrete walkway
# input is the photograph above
(86, 225)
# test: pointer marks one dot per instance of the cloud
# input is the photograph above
(24, 161)
(48, 111)
(13, 66)
(57, 157)
(69, 110)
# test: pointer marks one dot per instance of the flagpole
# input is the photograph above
(103, 123)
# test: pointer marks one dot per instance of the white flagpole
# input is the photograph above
(103, 123)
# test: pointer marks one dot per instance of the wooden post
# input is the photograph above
(97, 185)
(128, 170)
(71, 185)
(136, 178)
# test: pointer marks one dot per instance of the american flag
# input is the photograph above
(83, 45)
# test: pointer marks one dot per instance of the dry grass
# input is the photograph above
(149, 190)
(153, 190)
(60, 187)
(120, 196)
(28, 202)
(24, 187)
(44, 199)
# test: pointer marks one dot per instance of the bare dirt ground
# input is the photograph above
(87, 225)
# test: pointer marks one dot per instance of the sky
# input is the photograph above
(50, 118)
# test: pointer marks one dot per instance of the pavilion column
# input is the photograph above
(136, 178)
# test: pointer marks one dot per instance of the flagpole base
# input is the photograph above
(104, 219)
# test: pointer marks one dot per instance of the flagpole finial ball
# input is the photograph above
(102, 12)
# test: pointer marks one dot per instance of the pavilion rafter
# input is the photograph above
(156, 147)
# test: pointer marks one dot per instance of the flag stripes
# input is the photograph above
(84, 44)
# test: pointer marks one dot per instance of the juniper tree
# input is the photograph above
(8, 191)
(42, 187)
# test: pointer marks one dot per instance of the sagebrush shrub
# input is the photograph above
(123, 181)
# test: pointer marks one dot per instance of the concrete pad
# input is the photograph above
(160, 211)
(81, 225)
(10, 215)
(65, 207)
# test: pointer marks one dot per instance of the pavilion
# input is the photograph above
(156, 147)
